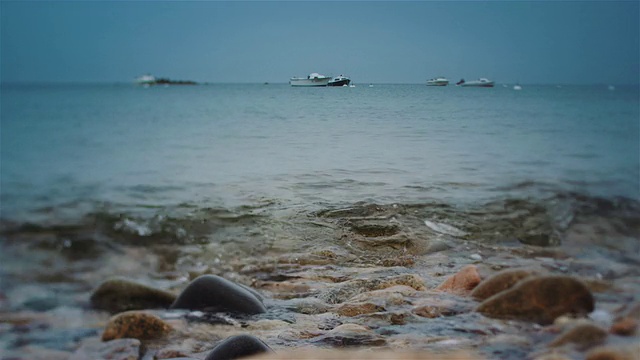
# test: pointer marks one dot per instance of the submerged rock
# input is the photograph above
(540, 299)
(500, 281)
(582, 336)
(377, 354)
(285, 289)
(136, 325)
(462, 282)
(348, 289)
(117, 295)
(237, 347)
(375, 230)
(308, 306)
(625, 327)
(355, 309)
(215, 294)
(539, 239)
(433, 306)
(629, 352)
(394, 295)
(120, 349)
(351, 335)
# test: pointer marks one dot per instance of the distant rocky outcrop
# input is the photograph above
(147, 80)
(162, 81)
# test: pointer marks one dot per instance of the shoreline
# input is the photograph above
(323, 269)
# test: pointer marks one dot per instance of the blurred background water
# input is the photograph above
(74, 146)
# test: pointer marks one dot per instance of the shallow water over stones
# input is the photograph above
(366, 276)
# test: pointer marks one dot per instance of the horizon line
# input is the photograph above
(120, 82)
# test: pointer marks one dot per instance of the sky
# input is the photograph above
(535, 42)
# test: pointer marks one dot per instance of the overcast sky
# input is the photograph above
(394, 42)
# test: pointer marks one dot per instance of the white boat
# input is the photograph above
(314, 79)
(339, 81)
(482, 82)
(146, 80)
(517, 87)
(439, 81)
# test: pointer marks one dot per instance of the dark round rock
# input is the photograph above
(215, 294)
(237, 347)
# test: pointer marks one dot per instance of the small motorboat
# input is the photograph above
(313, 79)
(439, 81)
(482, 82)
(339, 81)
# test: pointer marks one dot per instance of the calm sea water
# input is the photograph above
(74, 146)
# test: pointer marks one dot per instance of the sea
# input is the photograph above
(158, 184)
(76, 147)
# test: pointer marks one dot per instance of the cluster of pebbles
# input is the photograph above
(380, 282)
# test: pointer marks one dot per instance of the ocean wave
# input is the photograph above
(537, 221)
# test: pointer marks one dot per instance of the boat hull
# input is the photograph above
(309, 82)
(438, 81)
(478, 84)
(341, 82)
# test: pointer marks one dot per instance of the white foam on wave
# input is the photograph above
(444, 228)
(133, 227)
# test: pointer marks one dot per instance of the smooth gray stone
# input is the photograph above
(215, 294)
(236, 347)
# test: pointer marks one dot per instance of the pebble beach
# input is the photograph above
(372, 278)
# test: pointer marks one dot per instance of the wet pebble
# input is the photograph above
(169, 353)
(136, 325)
(614, 353)
(499, 281)
(437, 246)
(411, 280)
(120, 349)
(433, 307)
(308, 306)
(355, 309)
(381, 319)
(553, 356)
(582, 336)
(348, 289)
(351, 335)
(476, 257)
(237, 347)
(375, 230)
(394, 295)
(540, 299)
(284, 289)
(462, 282)
(370, 354)
(625, 327)
(216, 294)
(117, 295)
